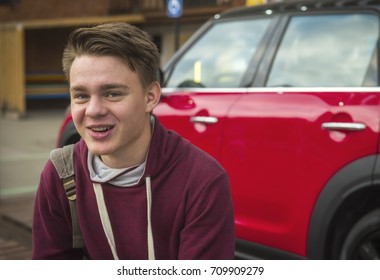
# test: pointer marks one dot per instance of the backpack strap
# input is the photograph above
(63, 160)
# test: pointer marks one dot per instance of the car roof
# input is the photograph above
(301, 6)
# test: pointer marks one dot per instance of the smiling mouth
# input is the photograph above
(101, 129)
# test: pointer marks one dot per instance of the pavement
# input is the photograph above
(25, 145)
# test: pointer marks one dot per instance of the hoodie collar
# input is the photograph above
(121, 177)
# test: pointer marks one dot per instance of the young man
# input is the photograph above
(143, 192)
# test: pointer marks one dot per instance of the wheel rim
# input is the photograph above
(368, 248)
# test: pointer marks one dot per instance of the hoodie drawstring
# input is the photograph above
(104, 218)
(151, 255)
(103, 213)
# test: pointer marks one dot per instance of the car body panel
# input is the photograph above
(177, 109)
(279, 157)
(277, 153)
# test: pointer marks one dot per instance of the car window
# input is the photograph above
(221, 56)
(327, 50)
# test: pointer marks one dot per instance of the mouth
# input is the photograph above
(100, 132)
(101, 128)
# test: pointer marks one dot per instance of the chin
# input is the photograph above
(98, 151)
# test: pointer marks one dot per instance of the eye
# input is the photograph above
(80, 97)
(113, 94)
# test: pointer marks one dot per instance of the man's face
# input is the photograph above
(110, 109)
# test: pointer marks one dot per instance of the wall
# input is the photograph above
(43, 9)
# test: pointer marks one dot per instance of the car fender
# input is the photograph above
(356, 176)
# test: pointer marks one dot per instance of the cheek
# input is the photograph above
(128, 110)
(77, 113)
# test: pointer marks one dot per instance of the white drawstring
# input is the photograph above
(151, 254)
(104, 218)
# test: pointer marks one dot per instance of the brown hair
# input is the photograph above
(115, 39)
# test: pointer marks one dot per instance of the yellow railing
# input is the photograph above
(12, 69)
(15, 85)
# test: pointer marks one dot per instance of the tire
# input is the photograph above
(363, 240)
(69, 136)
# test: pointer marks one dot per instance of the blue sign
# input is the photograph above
(174, 8)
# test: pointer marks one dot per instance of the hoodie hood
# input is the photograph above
(162, 146)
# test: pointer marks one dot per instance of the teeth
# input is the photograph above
(101, 129)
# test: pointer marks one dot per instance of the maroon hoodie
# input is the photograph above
(191, 210)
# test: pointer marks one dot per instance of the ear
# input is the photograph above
(153, 96)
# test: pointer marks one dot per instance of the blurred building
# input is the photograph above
(33, 35)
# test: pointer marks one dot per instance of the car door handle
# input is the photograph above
(204, 119)
(350, 126)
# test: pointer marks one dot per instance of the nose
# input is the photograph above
(95, 107)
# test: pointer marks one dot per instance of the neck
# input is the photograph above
(125, 161)
(134, 154)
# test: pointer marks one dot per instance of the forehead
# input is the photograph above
(88, 69)
(99, 63)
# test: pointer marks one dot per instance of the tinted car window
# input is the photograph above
(328, 50)
(220, 57)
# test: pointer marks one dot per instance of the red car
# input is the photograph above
(286, 96)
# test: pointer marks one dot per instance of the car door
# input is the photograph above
(205, 80)
(318, 111)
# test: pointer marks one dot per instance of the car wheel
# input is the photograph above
(363, 240)
(70, 135)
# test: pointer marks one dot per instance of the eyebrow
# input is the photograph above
(102, 87)
(113, 86)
